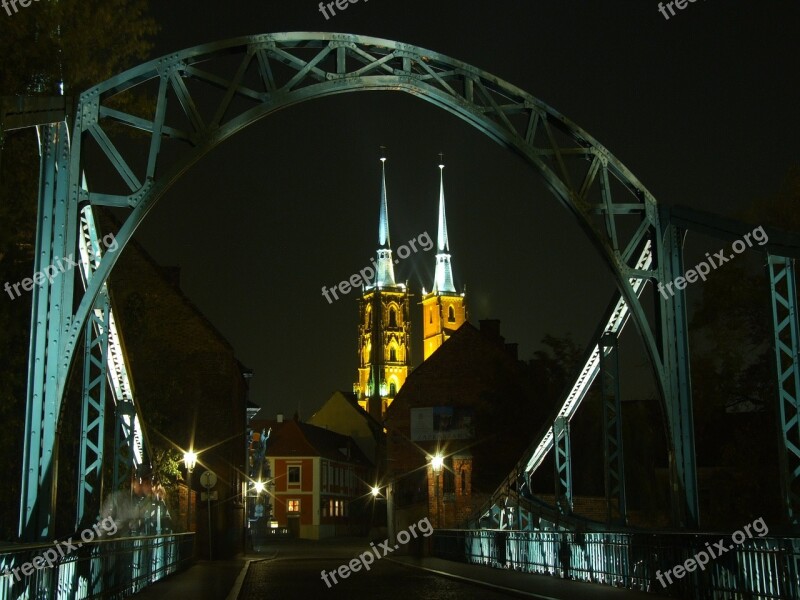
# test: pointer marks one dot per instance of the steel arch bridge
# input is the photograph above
(253, 77)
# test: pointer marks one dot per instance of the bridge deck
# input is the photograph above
(292, 569)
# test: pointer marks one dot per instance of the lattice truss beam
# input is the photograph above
(787, 345)
(193, 100)
(201, 96)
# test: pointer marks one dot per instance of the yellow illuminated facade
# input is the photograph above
(384, 329)
(384, 347)
(443, 310)
(442, 314)
(383, 326)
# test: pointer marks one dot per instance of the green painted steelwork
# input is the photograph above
(787, 345)
(614, 471)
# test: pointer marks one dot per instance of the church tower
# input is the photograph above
(443, 309)
(384, 326)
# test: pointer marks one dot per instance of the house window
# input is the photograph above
(451, 314)
(293, 506)
(294, 476)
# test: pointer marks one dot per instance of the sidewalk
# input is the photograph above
(204, 580)
(518, 583)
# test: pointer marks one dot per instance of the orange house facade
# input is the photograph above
(320, 481)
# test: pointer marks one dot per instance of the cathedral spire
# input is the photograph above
(384, 275)
(443, 278)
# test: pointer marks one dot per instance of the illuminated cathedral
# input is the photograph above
(384, 319)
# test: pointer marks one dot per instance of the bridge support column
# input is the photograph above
(51, 311)
(124, 462)
(563, 461)
(95, 377)
(612, 430)
(676, 376)
(787, 345)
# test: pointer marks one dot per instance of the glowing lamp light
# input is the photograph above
(376, 491)
(190, 460)
(436, 462)
(259, 486)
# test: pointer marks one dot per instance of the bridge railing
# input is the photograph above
(108, 568)
(763, 567)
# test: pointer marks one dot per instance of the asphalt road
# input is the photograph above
(294, 571)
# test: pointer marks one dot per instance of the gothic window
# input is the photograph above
(430, 315)
(392, 354)
(392, 317)
(449, 483)
(392, 390)
(451, 314)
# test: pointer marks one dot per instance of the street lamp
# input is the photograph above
(436, 464)
(190, 461)
(376, 491)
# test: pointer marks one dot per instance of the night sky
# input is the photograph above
(703, 108)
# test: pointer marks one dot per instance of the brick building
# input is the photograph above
(472, 403)
(320, 481)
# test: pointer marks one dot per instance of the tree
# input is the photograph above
(733, 363)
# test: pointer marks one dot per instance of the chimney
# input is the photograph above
(279, 418)
(491, 329)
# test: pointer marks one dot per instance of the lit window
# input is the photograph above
(293, 506)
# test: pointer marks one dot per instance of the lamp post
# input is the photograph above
(190, 461)
(436, 464)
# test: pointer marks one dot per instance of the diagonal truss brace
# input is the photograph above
(90, 465)
(563, 465)
(787, 345)
(130, 442)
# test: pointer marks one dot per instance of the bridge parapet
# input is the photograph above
(665, 563)
(107, 568)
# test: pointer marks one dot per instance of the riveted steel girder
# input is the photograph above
(787, 345)
(563, 465)
(90, 462)
(612, 430)
(51, 315)
(671, 308)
